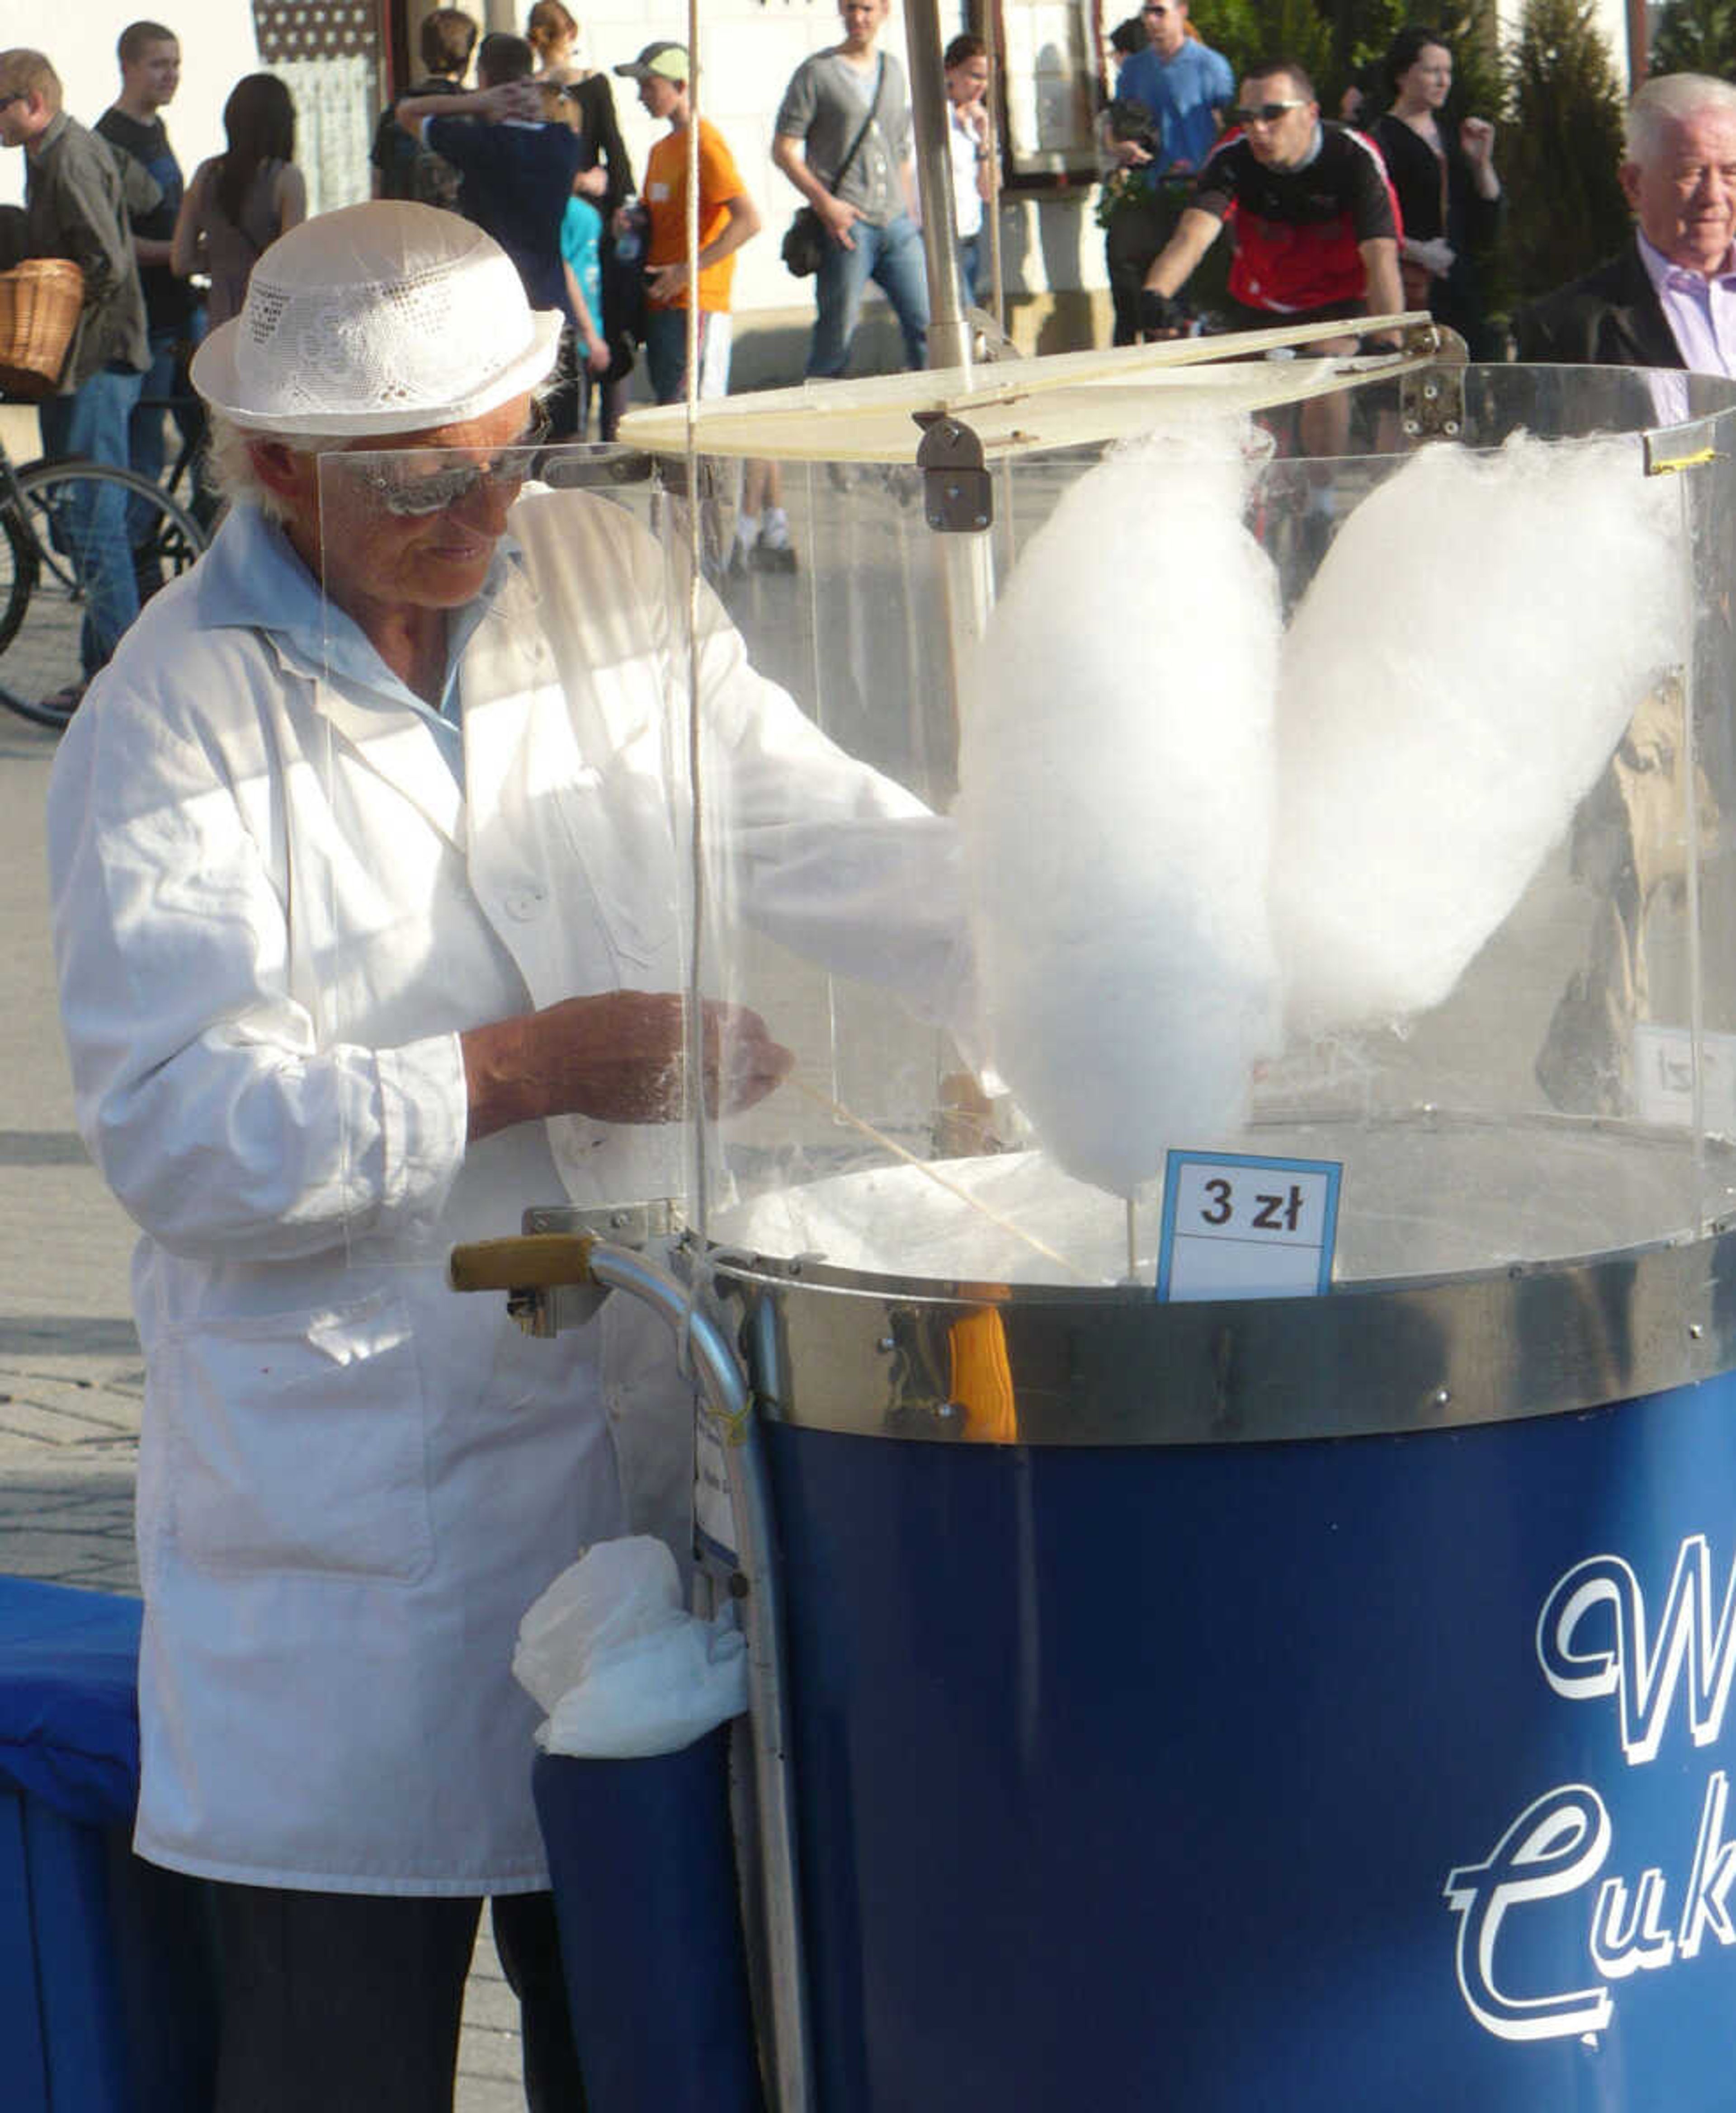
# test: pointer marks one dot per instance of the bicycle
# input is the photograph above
(182, 478)
(47, 572)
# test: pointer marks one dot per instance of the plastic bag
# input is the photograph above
(617, 1591)
(657, 1698)
(621, 1668)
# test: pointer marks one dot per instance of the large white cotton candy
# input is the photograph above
(1116, 806)
(1459, 671)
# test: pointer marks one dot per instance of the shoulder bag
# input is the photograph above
(805, 238)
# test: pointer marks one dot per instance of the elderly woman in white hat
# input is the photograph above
(365, 910)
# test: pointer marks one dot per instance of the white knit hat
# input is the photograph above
(380, 318)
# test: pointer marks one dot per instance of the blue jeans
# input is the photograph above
(890, 256)
(147, 427)
(92, 423)
(971, 260)
(665, 353)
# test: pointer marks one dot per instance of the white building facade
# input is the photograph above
(336, 57)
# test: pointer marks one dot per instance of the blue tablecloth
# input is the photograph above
(69, 1716)
(106, 1977)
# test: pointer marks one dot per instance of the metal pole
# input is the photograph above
(725, 1392)
(949, 335)
(1639, 43)
(991, 207)
(965, 559)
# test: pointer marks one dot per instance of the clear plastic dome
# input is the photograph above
(1344, 780)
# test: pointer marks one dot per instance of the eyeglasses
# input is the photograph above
(1265, 113)
(409, 497)
(18, 95)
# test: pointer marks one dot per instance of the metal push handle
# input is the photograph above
(536, 1264)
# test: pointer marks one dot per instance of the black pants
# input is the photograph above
(350, 2002)
(1137, 232)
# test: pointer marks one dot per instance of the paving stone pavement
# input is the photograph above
(71, 1379)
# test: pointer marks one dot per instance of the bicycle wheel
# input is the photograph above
(17, 574)
(102, 540)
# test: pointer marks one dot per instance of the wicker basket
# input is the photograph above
(39, 305)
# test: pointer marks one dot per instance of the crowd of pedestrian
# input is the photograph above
(1226, 202)
(1389, 208)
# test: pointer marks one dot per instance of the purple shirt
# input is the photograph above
(1701, 311)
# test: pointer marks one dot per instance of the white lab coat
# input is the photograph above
(274, 911)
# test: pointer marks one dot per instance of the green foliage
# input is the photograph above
(1344, 41)
(1360, 30)
(1246, 31)
(1695, 36)
(1467, 27)
(1562, 147)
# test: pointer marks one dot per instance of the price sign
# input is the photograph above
(1238, 1227)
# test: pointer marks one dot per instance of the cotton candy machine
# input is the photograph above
(1235, 1291)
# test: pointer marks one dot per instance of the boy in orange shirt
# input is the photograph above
(728, 217)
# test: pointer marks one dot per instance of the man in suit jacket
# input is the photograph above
(1669, 297)
(1667, 300)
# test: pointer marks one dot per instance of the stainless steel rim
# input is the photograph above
(832, 1349)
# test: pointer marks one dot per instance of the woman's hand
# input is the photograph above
(1436, 257)
(1477, 141)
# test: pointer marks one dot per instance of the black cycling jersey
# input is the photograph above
(1297, 229)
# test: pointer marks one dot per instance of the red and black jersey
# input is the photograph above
(1297, 229)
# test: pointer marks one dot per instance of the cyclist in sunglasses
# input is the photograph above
(1316, 224)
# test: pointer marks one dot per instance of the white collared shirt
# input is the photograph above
(1700, 310)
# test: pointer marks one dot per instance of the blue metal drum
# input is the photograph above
(1362, 1769)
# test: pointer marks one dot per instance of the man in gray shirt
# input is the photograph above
(866, 211)
(73, 208)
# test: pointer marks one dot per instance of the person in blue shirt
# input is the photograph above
(1186, 87)
(515, 166)
(584, 357)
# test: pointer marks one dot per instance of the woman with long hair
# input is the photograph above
(553, 35)
(965, 69)
(1448, 192)
(584, 357)
(240, 201)
(605, 181)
